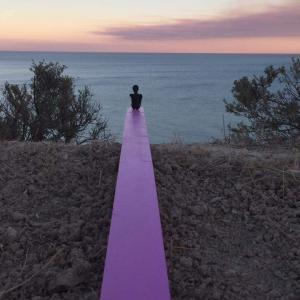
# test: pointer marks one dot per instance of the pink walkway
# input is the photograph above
(135, 265)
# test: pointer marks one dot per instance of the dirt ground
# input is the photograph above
(55, 208)
(231, 220)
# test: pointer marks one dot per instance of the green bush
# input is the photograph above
(49, 109)
(270, 104)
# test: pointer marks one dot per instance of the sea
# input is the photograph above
(182, 93)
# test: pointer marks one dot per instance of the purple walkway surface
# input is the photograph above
(135, 265)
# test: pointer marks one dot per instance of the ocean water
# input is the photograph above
(182, 93)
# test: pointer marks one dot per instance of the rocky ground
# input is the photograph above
(231, 220)
(55, 208)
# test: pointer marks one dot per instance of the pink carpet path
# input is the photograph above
(135, 265)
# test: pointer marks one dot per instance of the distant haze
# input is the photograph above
(215, 26)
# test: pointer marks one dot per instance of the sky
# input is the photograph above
(192, 26)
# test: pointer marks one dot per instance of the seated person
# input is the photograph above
(136, 98)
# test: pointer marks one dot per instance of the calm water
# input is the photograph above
(183, 93)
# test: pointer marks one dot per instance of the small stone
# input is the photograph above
(239, 186)
(12, 234)
(200, 209)
(76, 253)
(17, 217)
(14, 247)
(70, 278)
(258, 173)
(263, 287)
(230, 272)
(274, 294)
(244, 194)
(19, 253)
(64, 281)
(217, 294)
(237, 289)
(250, 227)
(268, 236)
(55, 297)
(75, 233)
(201, 291)
(8, 263)
(216, 199)
(186, 262)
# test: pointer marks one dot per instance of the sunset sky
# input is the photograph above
(222, 26)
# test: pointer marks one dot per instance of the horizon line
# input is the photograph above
(146, 52)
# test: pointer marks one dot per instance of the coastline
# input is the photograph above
(229, 219)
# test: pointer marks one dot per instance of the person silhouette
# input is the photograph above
(136, 98)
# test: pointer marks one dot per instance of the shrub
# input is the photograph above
(271, 115)
(49, 109)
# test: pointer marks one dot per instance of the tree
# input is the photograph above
(270, 114)
(49, 109)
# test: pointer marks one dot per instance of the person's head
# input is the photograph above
(135, 88)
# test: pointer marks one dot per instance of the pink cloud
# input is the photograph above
(276, 22)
